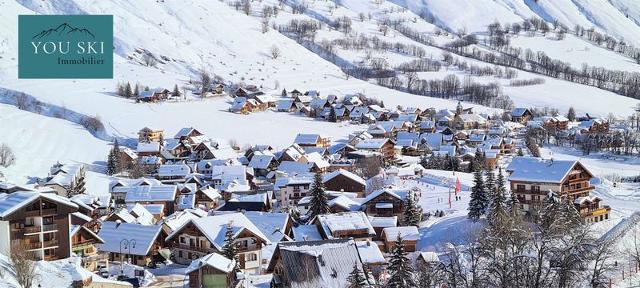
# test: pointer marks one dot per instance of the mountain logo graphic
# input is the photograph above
(63, 29)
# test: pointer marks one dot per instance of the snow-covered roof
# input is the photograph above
(318, 160)
(148, 147)
(330, 262)
(383, 222)
(345, 202)
(294, 167)
(371, 143)
(307, 139)
(186, 201)
(214, 227)
(214, 260)
(540, 170)
(370, 252)
(306, 233)
(169, 170)
(407, 233)
(113, 232)
(11, 202)
(400, 194)
(260, 161)
(345, 173)
(346, 221)
(164, 193)
(518, 112)
(154, 209)
(272, 225)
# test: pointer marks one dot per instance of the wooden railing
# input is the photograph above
(32, 229)
(50, 243)
(33, 245)
(193, 248)
(49, 227)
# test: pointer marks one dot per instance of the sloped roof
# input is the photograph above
(319, 263)
(9, 203)
(113, 233)
(214, 260)
(150, 193)
(408, 233)
(331, 223)
(272, 225)
(345, 173)
(214, 227)
(540, 170)
(307, 139)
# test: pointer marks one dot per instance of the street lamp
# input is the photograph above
(127, 245)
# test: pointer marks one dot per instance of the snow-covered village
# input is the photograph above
(325, 143)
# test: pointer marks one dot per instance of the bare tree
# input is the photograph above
(275, 52)
(7, 158)
(246, 6)
(149, 60)
(22, 264)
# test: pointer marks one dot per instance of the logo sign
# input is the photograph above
(65, 46)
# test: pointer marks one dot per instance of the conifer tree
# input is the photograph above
(175, 92)
(498, 201)
(136, 90)
(127, 91)
(571, 115)
(319, 201)
(230, 248)
(411, 214)
(284, 92)
(113, 160)
(332, 115)
(490, 184)
(356, 278)
(400, 269)
(478, 202)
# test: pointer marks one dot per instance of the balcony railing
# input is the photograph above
(193, 248)
(31, 229)
(33, 245)
(50, 243)
(49, 227)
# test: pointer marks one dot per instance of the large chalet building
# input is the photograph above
(37, 222)
(533, 179)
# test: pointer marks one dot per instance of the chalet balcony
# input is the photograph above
(41, 212)
(49, 227)
(596, 212)
(32, 229)
(33, 245)
(193, 248)
(579, 190)
(50, 243)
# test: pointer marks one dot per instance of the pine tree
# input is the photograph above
(356, 278)
(571, 115)
(490, 184)
(411, 214)
(478, 202)
(284, 92)
(175, 92)
(113, 160)
(332, 115)
(136, 90)
(127, 91)
(319, 200)
(400, 269)
(498, 200)
(230, 248)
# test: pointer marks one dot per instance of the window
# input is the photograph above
(180, 253)
(252, 257)
(182, 241)
(535, 188)
(47, 220)
(520, 187)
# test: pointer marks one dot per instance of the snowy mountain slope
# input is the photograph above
(36, 148)
(604, 15)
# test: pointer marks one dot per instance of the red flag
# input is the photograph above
(457, 185)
